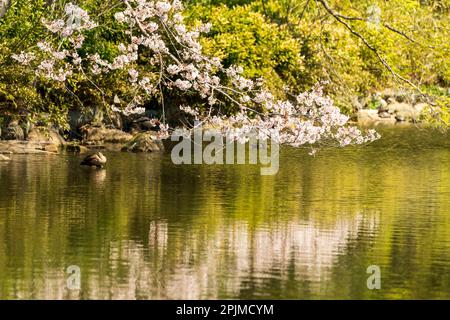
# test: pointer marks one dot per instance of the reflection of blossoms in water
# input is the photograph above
(179, 265)
(239, 251)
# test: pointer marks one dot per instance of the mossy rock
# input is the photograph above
(144, 142)
(104, 135)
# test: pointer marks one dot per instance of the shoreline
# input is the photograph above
(50, 142)
(42, 140)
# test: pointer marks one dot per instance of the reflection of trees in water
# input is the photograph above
(236, 253)
(155, 231)
(200, 270)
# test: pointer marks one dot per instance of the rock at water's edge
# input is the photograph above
(96, 135)
(45, 135)
(144, 142)
(13, 132)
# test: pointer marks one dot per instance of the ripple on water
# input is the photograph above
(144, 228)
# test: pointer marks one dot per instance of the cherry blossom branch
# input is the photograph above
(176, 64)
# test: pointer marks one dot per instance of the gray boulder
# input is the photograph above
(13, 131)
(45, 135)
(405, 111)
(419, 107)
(402, 117)
(382, 104)
(395, 107)
(144, 142)
(357, 103)
(384, 114)
(46, 139)
(367, 115)
(96, 135)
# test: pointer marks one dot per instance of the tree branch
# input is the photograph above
(341, 19)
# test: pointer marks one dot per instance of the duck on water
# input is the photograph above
(94, 160)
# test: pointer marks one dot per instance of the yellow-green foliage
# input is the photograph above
(328, 49)
(16, 91)
(23, 95)
(438, 115)
(244, 37)
(294, 43)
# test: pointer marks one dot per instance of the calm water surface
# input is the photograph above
(144, 228)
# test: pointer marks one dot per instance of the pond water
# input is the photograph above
(144, 228)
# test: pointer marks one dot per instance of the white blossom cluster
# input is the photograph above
(76, 20)
(24, 58)
(56, 64)
(174, 54)
(311, 120)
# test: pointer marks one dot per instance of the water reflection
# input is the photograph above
(146, 229)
